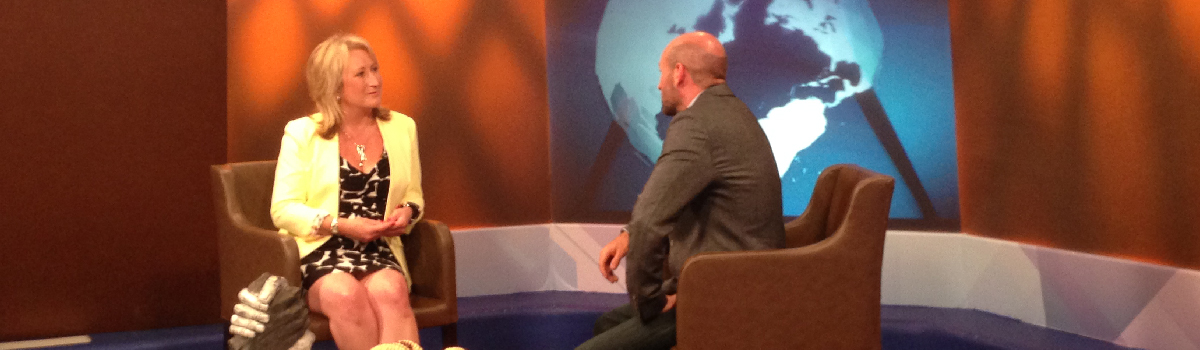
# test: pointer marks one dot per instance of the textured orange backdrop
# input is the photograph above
(1078, 124)
(113, 112)
(472, 73)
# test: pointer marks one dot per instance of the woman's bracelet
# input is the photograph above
(416, 210)
(317, 220)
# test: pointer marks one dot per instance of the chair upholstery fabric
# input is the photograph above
(249, 244)
(821, 292)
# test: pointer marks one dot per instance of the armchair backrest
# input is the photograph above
(246, 188)
(845, 194)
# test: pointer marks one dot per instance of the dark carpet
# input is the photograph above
(562, 320)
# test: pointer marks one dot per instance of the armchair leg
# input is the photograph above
(450, 335)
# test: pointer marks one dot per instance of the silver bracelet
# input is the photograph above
(333, 225)
(318, 219)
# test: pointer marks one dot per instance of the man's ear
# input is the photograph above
(680, 75)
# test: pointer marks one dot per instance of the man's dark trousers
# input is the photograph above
(621, 329)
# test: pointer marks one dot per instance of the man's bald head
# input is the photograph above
(701, 54)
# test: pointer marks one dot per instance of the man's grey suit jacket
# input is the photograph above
(715, 188)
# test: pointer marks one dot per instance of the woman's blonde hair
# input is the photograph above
(324, 74)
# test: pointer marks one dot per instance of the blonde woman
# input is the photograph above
(347, 186)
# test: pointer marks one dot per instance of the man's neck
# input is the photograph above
(690, 94)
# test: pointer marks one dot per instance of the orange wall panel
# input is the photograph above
(1075, 124)
(113, 112)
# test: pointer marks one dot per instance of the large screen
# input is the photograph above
(831, 81)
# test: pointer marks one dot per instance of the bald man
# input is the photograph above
(715, 188)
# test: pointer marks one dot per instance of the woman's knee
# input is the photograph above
(341, 294)
(389, 287)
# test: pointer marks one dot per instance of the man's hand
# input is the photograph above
(670, 303)
(611, 255)
(250, 315)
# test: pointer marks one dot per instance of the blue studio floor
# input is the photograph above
(562, 320)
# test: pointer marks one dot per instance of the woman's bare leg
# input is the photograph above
(388, 293)
(347, 303)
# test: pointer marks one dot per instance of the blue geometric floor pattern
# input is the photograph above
(562, 320)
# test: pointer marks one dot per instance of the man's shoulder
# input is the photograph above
(717, 105)
(716, 99)
(719, 90)
(691, 118)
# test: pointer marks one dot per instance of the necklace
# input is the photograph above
(358, 147)
(362, 154)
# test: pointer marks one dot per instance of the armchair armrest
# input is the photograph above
(429, 249)
(777, 299)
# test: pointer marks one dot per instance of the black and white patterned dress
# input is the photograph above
(362, 195)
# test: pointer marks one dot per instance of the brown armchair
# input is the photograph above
(821, 292)
(249, 244)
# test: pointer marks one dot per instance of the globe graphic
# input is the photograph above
(789, 61)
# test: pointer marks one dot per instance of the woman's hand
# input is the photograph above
(401, 218)
(362, 229)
